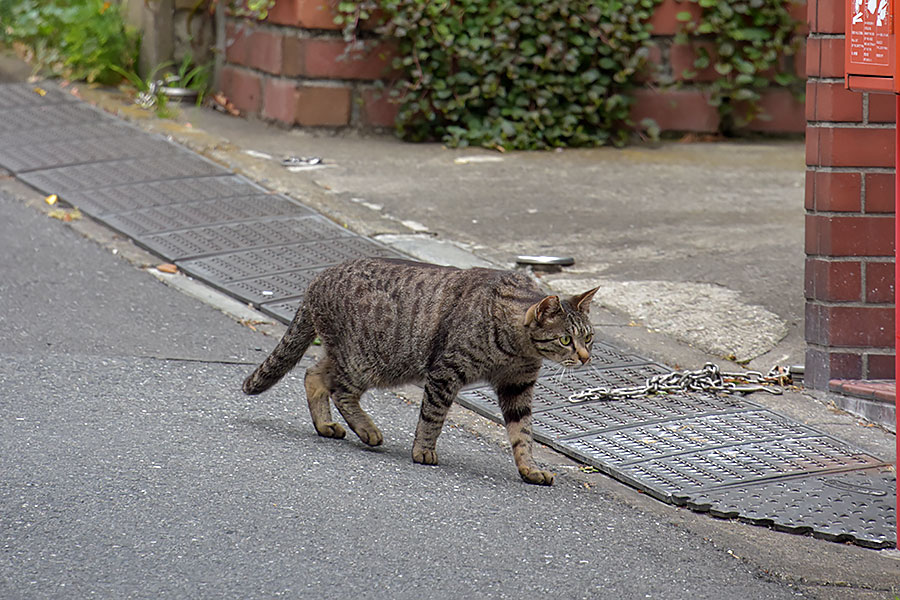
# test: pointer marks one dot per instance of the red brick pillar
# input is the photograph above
(849, 214)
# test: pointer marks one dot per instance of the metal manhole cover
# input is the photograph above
(854, 506)
(272, 288)
(16, 95)
(246, 264)
(174, 217)
(216, 239)
(177, 164)
(56, 154)
(130, 197)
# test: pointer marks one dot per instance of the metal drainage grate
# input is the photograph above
(283, 310)
(234, 266)
(17, 95)
(677, 479)
(176, 165)
(174, 217)
(64, 133)
(602, 356)
(581, 419)
(217, 239)
(709, 452)
(48, 116)
(21, 158)
(151, 194)
(552, 390)
(272, 288)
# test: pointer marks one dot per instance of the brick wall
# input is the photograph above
(292, 69)
(686, 107)
(295, 68)
(849, 214)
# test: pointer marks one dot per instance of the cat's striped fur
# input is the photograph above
(388, 322)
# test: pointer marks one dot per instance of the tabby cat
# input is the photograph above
(386, 322)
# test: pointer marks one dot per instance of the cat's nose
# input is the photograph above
(584, 356)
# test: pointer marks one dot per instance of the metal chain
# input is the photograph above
(709, 378)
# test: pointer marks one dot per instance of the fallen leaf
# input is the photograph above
(251, 324)
(51, 199)
(65, 214)
(221, 102)
(167, 268)
(40, 91)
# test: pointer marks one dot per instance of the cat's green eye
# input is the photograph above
(565, 340)
(588, 338)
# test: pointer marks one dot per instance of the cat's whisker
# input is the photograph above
(560, 374)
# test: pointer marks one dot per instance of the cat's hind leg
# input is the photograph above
(359, 420)
(317, 394)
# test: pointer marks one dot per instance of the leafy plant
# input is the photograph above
(752, 39)
(191, 76)
(256, 9)
(152, 92)
(522, 74)
(77, 39)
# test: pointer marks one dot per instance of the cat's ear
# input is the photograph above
(541, 310)
(583, 301)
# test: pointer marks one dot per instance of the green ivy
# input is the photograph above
(752, 40)
(513, 74)
(253, 9)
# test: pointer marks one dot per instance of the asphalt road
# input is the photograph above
(131, 466)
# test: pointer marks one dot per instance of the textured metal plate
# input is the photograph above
(283, 310)
(47, 116)
(554, 387)
(217, 239)
(16, 95)
(205, 212)
(66, 133)
(272, 288)
(602, 356)
(175, 165)
(627, 445)
(677, 478)
(581, 419)
(234, 266)
(130, 197)
(855, 506)
(72, 152)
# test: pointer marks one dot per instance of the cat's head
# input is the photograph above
(561, 330)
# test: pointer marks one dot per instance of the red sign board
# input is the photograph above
(870, 60)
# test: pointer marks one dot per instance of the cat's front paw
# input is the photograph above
(331, 430)
(370, 435)
(536, 476)
(424, 457)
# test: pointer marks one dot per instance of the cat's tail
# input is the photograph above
(300, 334)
